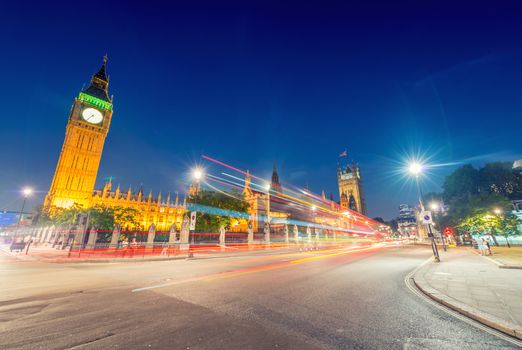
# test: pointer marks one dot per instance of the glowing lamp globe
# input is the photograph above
(197, 174)
(415, 168)
(27, 191)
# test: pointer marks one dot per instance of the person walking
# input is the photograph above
(125, 246)
(133, 246)
(487, 246)
(481, 246)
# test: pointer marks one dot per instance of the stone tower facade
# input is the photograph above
(75, 175)
(85, 133)
(351, 188)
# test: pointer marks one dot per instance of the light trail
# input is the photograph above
(254, 269)
(289, 198)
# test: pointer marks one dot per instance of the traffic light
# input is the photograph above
(448, 231)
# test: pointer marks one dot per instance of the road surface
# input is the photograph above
(334, 299)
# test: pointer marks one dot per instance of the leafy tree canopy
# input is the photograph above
(473, 194)
(101, 217)
(232, 201)
(462, 182)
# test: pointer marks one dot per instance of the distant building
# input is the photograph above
(406, 221)
(351, 188)
(517, 166)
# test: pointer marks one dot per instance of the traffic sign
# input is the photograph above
(426, 217)
(192, 220)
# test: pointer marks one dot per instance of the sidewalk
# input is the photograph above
(475, 287)
(507, 258)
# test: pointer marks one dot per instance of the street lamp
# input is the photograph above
(437, 207)
(267, 188)
(497, 211)
(26, 192)
(415, 168)
(197, 175)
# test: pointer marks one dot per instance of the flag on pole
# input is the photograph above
(343, 154)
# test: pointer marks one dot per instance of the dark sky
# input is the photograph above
(296, 82)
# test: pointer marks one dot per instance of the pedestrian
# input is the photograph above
(481, 246)
(488, 247)
(125, 246)
(133, 246)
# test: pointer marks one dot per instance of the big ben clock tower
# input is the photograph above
(85, 133)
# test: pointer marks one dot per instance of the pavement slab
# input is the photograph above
(476, 287)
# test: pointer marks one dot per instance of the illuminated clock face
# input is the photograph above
(92, 115)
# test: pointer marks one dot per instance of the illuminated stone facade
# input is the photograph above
(351, 188)
(77, 168)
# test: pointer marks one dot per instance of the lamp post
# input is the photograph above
(437, 207)
(197, 175)
(267, 188)
(415, 169)
(26, 192)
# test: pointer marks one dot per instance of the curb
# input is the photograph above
(466, 310)
(499, 264)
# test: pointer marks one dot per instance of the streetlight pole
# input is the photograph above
(26, 192)
(437, 207)
(416, 169)
(267, 227)
(197, 175)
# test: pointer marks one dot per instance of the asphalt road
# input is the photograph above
(336, 299)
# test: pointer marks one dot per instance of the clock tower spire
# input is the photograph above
(85, 133)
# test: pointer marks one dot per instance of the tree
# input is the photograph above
(64, 216)
(209, 221)
(485, 223)
(379, 219)
(461, 208)
(499, 178)
(101, 217)
(127, 217)
(462, 182)
(509, 226)
(393, 225)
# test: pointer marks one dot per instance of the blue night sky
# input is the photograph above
(249, 84)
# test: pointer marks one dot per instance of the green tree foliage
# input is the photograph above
(499, 178)
(464, 207)
(101, 217)
(233, 201)
(63, 217)
(127, 218)
(462, 182)
(379, 219)
(482, 223)
(472, 195)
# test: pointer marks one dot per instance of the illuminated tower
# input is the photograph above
(275, 185)
(85, 133)
(350, 188)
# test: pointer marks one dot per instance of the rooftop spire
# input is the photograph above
(102, 72)
(275, 185)
(99, 86)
